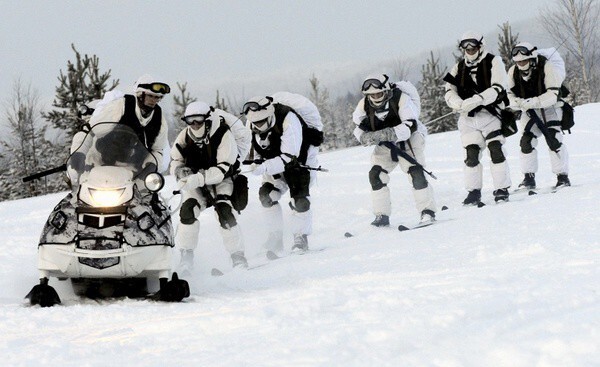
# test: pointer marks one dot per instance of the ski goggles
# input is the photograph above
(255, 106)
(195, 119)
(84, 110)
(259, 126)
(522, 50)
(375, 83)
(470, 43)
(161, 88)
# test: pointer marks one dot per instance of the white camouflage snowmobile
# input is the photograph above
(112, 233)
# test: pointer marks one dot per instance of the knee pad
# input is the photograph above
(419, 181)
(226, 217)
(301, 204)
(264, 194)
(472, 155)
(553, 143)
(186, 213)
(378, 178)
(526, 142)
(496, 153)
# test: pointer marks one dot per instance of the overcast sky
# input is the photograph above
(231, 43)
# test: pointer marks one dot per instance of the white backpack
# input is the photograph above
(303, 106)
(411, 91)
(556, 60)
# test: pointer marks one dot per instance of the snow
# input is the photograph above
(513, 284)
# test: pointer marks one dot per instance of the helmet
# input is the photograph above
(524, 51)
(260, 113)
(198, 116)
(377, 89)
(472, 41)
(149, 85)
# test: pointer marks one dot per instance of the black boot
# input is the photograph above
(381, 220)
(473, 198)
(528, 182)
(562, 181)
(501, 195)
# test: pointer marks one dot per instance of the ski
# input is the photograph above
(403, 228)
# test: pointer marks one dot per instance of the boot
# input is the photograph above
(427, 216)
(239, 260)
(275, 242)
(473, 198)
(300, 243)
(381, 220)
(501, 195)
(528, 182)
(186, 264)
(562, 181)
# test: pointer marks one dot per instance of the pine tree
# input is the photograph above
(320, 97)
(433, 104)
(81, 83)
(181, 102)
(506, 42)
(220, 103)
(25, 150)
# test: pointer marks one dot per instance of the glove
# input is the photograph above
(181, 172)
(530, 103)
(259, 170)
(193, 181)
(516, 103)
(367, 138)
(471, 103)
(402, 132)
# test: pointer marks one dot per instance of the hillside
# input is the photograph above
(514, 284)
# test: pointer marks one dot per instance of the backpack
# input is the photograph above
(552, 56)
(313, 131)
(410, 90)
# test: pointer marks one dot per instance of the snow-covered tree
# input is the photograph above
(25, 150)
(320, 97)
(180, 103)
(82, 82)
(506, 42)
(433, 104)
(573, 24)
(220, 102)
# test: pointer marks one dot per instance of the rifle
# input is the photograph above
(260, 161)
(45, 173)
(396, 151)
(533, 117)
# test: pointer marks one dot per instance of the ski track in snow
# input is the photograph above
(513, 284)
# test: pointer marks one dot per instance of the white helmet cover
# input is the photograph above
(377, 89)
(145, 83)
(200, 109)
(471, 39)
(260, 113)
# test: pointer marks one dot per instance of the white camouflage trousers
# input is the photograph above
(424, 198)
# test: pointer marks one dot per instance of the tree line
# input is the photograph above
(39, 140)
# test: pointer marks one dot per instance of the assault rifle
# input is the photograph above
(395, 151)
(260, 161)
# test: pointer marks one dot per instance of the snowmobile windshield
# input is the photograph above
(112, 144)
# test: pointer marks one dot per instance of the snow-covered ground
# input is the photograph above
(515, 284)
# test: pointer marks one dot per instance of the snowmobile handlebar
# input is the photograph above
(45, 173)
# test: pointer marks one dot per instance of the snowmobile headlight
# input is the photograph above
(154, 182)
(106, 197)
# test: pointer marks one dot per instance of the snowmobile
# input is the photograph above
(112, 234)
